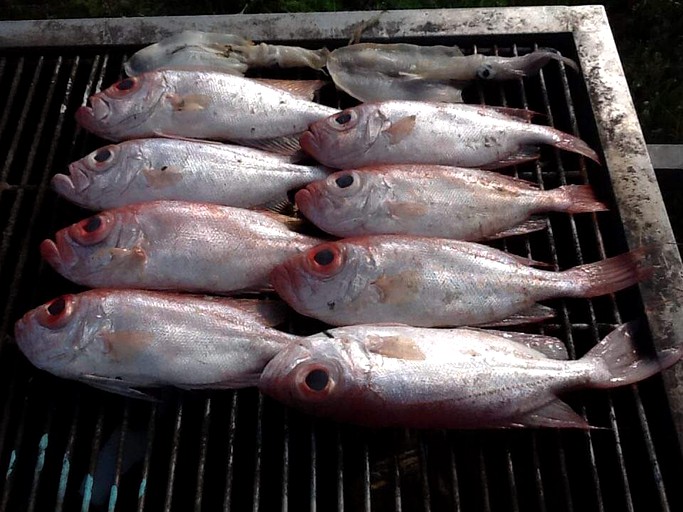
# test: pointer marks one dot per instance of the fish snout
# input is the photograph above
(305, 200)
(59, 254)
(284, 281)
(309, 142)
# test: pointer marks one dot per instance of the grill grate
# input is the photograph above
(64, 446)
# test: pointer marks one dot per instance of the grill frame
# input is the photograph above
(632, 178)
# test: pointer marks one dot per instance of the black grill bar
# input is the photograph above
(151, 431)
(340, 473)
(230, 459)
(170, 479)
(314, 466)
(203, 442)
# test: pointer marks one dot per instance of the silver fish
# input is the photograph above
(228, 53)
(151, 169)
(201, 105)
(434, 378)
(414, 132)
(431, 200)
(169, 245)
(380, 72)
(431, 282)
(119, 340)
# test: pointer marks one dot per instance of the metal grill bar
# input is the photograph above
(231, 453)
(174, 456)
(203, 442)
(151, 432)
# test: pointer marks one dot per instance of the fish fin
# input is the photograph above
(120, 387)
(304, 89)
(578, 199)
(125, 345)
(571, 143)
(555, 414)
(397, 289)
(406, 209)
(549, 346)
(287, 145)
(267, 312)
(609, 275)
(555, 55)
(283, 206)
(395, 347)
(529, 262)
(525, 154)
(616, 354)
(189, 102)
(159, 133)
(292, 223)
(166, 176)
(518, 113)
(137, 254)
(536, 313)
(400, 129)
(528, 226)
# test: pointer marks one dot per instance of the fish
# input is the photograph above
(379, 72)
(122, 340)
(183, 170)
(202, 105)
(228, 53)
(451, 379)
(434, 282)
(415, 132)
(435, 201)
(173, 245)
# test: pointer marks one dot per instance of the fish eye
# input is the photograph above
(91, 230)
(324, 257)
(126, 84)
(92, 224)
(102, 155)
(56, 306)
(346, 180)
(317, 380)
(343, 118)
(486, 72)
(57, 312)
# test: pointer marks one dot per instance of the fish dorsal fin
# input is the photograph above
(555, 414)
(525, 154)
(518, 113)
(536, 313)
(400, 129)
(549, 346)
(528, 226)
(528, 262)
(287, 145)
(292, 223)
(395, 347)
(265, 312)
(304, 89)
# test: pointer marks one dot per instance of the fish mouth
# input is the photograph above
(309, 143)
(283, 281)
(59, 254)
(96, 111)
(305, 201)
(68, 186)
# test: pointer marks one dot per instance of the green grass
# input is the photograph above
(649, 35)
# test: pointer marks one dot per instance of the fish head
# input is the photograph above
(344, 136)
(101, 176)
(328, 276)
(127, 104)
(97, 248)
(319, 375)
(56, 334)
(341, 203)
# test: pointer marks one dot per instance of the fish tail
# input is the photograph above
(609, 275)
(573, 144)
(616, 355)
(577, 199)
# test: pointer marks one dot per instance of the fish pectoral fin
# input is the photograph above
(555, 414)
(118, 386)
(396, 347)
(166, 176)
(536, 313)
(189, 102)
(528, 226)
(400, 129)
